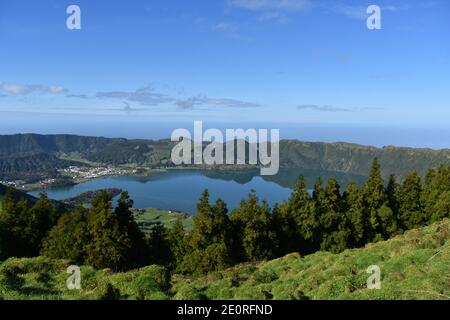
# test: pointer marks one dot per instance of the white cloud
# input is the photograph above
(322, 108)
(359, 12)
(328, 108)
(274, 16)
(145, 96)
(202, 100)
(353, 12)
(77, 96)
(277, 9)
(17, 89)
(259, 5)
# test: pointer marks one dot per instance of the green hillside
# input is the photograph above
(413, 266)
(32, 156)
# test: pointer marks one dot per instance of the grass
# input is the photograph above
(413, 266)
(147, 218)
(76, 156)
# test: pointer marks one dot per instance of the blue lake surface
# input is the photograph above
(181, 189)
(178, 190)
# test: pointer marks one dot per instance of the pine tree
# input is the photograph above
(332, 206)
(318, 196)
(306, 220)
(159, 245)
(8, 214)
(332, 222)
(285, 228)
(392, 192)
(374, 199)
(211, 231)
(254, 230)
(68, 239)
(202, 230)
(109, 246)
(411, 210)
(41, 218)
(211, 224)
(178, 247)
(436, 194)
(16, 227)
(356, 219)
(221, 224)
(129, 226)
(295, 222)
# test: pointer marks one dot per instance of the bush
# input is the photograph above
(265, 276)
(189, 293)
(151, 280)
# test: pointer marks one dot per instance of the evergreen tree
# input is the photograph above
(129, 226)
(318, 210)
(411, 212)
(211, 231)
(159, 245)
(23, 228)
(318, 196)
(16, 227)
(109, 246)
(211, 224)
(202, 231)
(331, 207)
(436, 194)
(392, 192)
(374, 199)
(68, 239)
(295, 222)
(254, 230)
(178, 247)
(332, 222)
(357, 223)
(306, 221)
(285, 228)
(388, 222)
(41, 218)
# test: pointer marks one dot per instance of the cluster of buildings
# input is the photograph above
(82, 173)
(9, 183)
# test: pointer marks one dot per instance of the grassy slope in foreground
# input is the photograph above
(414, 266)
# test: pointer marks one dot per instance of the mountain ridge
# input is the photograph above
(25, 154)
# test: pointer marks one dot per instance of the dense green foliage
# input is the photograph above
(100, 237)
(23, 228)
(327, 220)
(413, 266)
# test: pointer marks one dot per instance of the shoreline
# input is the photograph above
(33, 187)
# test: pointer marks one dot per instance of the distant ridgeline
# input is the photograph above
(32, 156)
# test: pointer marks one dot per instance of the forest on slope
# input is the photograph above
(38, 156)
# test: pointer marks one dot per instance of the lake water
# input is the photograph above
(181, 190)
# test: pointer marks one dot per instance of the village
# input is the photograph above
(87, 173)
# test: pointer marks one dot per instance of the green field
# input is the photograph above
(147, 218)
(413, 266)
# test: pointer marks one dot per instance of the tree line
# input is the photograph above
(326, 219)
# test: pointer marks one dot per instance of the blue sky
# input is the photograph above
(141, 68)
